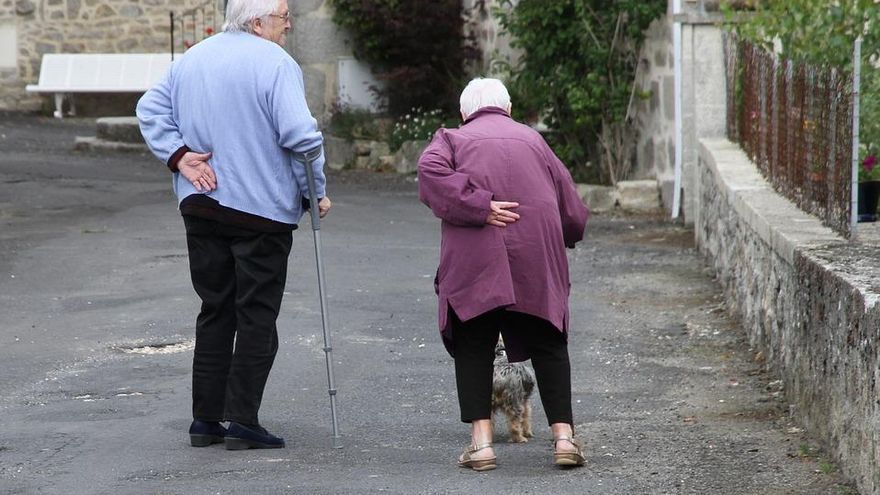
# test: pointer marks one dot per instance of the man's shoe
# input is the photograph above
(204, 433)
(240, 437)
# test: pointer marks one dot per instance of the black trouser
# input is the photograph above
(474, 343)
(239, 274)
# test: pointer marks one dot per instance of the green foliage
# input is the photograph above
(869, 123)
(815, 31)
(418, 125)
(577, 73)
(352, 123)
(822, 32)
(417, 48)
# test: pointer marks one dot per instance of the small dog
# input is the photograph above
(512, 385)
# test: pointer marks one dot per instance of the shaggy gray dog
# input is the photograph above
(512, 385)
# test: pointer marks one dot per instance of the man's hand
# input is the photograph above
(501, 215)
(195, 168)
(324, 205)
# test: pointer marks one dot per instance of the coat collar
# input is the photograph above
(486, 111)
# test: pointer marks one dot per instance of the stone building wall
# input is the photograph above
(493, 43)
(703, 93)
(808, 300)
(653, 105)
(317, 44)
(79, 26)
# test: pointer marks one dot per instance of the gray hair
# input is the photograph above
(240, 14)
(481, 93)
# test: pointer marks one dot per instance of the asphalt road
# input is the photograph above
(96, 340)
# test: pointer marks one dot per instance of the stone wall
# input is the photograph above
(653, 107)
(493, 43)
(79, 26)
(317, 43)
(142, 26)
(703, 93)
(807, 299)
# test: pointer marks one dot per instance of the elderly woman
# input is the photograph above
(509, 208)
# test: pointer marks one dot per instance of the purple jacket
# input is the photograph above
(522, 267)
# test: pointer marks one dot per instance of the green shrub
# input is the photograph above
(577, 73)
(353, 123)
(418, 125)
(417, 48)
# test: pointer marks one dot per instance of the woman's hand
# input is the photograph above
(500, 214)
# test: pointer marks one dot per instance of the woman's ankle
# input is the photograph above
(562, 430)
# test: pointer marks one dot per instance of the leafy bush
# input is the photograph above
(577, 73)
(823, 32)
(418, 126)
(353, 123)
(417, 48)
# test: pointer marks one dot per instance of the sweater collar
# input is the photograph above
(486, 111)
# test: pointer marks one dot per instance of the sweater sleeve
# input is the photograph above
(155, 115)
(450, 194)
(572, 210)
(297, 129)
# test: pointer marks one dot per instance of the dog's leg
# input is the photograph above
(514, 422)
(527, 420)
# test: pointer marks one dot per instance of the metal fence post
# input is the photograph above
(854, 193)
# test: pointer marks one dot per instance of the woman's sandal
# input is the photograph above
(576, 458)
(466, 461)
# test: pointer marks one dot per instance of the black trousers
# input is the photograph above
(474, 343)
(239, 274)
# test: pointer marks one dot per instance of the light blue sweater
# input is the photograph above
(241, 98)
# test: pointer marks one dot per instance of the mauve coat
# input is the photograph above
(521, 267)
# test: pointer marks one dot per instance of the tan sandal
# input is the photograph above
(576, 458)
(465, 460)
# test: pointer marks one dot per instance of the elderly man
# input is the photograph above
(509, 208)
(230, 120)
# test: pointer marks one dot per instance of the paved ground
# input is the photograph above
(96, 340)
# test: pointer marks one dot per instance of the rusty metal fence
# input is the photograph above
(193, 25)
(794, 121)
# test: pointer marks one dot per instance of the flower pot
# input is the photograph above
(869, 193)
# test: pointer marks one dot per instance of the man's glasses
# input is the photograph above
(284, 17)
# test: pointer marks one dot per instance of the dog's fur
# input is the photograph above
(512, 385)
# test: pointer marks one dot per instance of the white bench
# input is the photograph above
(67, 73)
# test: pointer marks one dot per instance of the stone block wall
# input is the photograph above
(79, 26)
(808, 299)
(142, 26)
(653, 107)
(493, 43)
(703, 94)
(317, 43)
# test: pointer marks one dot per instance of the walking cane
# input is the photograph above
(309, 158)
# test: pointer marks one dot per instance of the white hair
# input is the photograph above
(240, 14)
(484, 92)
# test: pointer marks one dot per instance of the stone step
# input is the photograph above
(82, 143)
(119, 129)
(636, 196)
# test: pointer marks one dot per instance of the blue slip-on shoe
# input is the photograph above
(240, 437)
(204, 433)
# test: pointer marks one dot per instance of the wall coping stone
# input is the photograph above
(776, 220)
